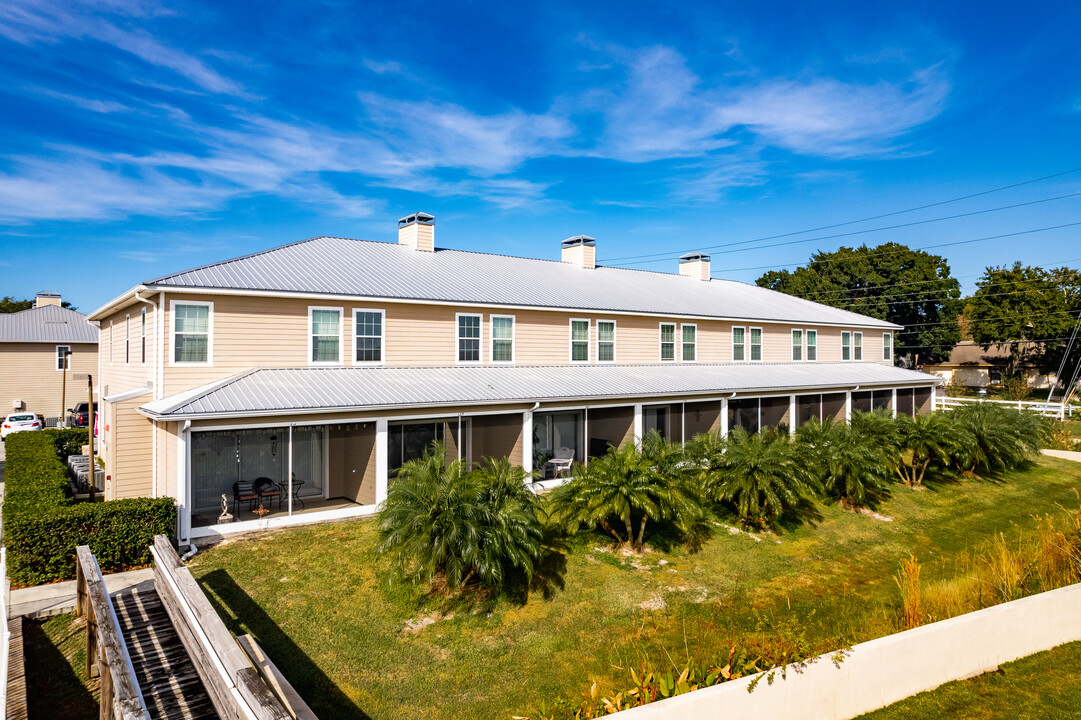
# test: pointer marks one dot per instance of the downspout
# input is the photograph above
(154, 394)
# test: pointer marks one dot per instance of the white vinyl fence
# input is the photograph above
(1056, 410)
(881, 672)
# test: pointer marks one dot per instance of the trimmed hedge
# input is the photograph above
(43, 524)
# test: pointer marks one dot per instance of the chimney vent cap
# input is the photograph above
(417, 217)
(691, 256)
(579, 240)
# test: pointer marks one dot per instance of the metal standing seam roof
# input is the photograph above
(47, 324)
(313, 390)
(340, 266)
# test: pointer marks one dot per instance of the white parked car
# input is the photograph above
(18, 422)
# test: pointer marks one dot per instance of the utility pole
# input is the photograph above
(63, 420)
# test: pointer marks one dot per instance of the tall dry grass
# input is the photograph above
(908, 581)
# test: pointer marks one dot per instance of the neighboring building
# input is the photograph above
(32, 346)
(333, 361)
(969, 365)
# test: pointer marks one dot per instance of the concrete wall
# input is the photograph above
(883, 671)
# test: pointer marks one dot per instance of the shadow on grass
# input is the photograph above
(54, 688)
(319, 691)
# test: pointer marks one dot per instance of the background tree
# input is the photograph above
(8, 304)
(891, 282)
(1028, 309)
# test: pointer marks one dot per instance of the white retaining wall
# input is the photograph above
(881, 672)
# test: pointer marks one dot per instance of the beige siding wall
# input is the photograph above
(131, 458)
(28, 373)
(497, 436)
(116, 374)
(352, 463)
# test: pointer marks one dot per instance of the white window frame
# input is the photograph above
(846, 335)
(857, 346)
(571, 340)
(797, 347)
(67, 359)
(743, 344)
(660, 342)
(807, 345)
(458, 339)
(682, 343)
(209, 334)
(142, 337)
(127, 339)
(112, 349)
(341, 337)
(761, 345)
(598, 343)
(492, 339)
(382, 339)
(887, 347)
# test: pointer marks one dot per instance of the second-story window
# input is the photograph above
(668, 342)
(690, 343)
(469, 338)
(606, 341)
(797, 345)
(739, 344)
(887, 346)
(846, 345)
(756, 344)
(502, 338)
(325, 337)
(369, 330)
(63, 357)
(857, 346)
(579, 341)
(812, 345)
(191, 332)
(142, 337)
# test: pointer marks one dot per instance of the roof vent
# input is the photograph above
(694, 264)
(46, 297)
(580, 250)
(417, 231)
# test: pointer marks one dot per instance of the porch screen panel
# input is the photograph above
(775, 411)
(743, 413)
(833, 406)
(552, 431)
(882, 399)
(921, 399)
(904, 401)
(214, 469)
(409, 441)
(808, 407)
(861, 401)
(656, 418)
(308, 461)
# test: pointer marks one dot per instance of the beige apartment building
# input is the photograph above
(45, 354)
(325, 364)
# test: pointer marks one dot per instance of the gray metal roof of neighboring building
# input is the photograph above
(340, 266)
(47, 324)
(314, 390)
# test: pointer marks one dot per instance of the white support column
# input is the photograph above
(381, 453)
(527, 445)
(183, 489)
(585, 437)
(638, 425)
(683, 424)
(792, 415)
(848, 406)
(290, 486)
(934, 393)
(893, 403)
(724, 417)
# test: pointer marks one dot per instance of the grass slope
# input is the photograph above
(1044, 686)
(57, 686)
(319, 601)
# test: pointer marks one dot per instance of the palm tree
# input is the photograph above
(925, 439)
(762, 475)
(853, 469)
(997, 438)
(629, 488)
(439, 520)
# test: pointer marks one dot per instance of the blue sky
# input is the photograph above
(140, 138)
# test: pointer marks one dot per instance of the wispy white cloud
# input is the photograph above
(91, 104)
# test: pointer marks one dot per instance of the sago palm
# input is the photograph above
(852, 468)
(923, 440)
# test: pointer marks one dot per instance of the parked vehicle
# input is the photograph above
(79, 417)
(20, 422)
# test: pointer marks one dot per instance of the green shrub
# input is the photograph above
(43, 524)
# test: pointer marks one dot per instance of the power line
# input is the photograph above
(1004, 342)
(876, 217)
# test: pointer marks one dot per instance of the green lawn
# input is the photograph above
(1043, 686)
(320, 601)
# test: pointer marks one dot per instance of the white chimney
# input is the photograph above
(580, 250)
(694, 265)
(46, 297)
(417, 231)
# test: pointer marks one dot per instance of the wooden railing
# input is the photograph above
(106, 653)
(234, 685)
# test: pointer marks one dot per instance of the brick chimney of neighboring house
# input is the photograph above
(46, 297)
(694, 265)
(417, 231)
(580, 250)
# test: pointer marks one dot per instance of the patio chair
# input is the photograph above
(562, 461)
(243, 492)
(264, 487)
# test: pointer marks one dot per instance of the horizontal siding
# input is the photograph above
(28, 373)
(116, 374)
(131, 449)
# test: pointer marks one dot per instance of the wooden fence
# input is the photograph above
(234, 685)
(106, 653)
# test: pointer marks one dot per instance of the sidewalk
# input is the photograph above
(45, 601)
(1064, 454)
